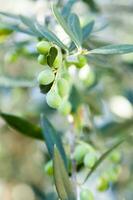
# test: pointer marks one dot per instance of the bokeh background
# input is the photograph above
(22, 159)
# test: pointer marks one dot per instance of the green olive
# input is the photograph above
(11, 57)
(65, 107)
(42, 59)
(82, 61)
(43, 47)
(46, 76)
(90, 159)
(103, 184)
(86, 194)
(53, 99)
(48, 168)
(58, 60)
(115, 157)
(63, 87)
(80, 152)
(87, 76)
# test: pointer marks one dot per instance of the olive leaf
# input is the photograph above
(49, 35)
(104, 156)
(87, 29)
(67, 8)
(113, 49)
(63, 184)
(22, 125)
(51, 56)
(65, 26)
(52, 138)
(16, 82)
(74, 24)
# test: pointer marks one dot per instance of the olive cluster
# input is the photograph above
(53, 75)
(85, 154)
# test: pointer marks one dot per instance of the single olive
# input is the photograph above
(42, 59)
(65, 107)
(53, 99)
(43, 47)
(46, 76)
(86, 194)
(103, 184)
(11, 57)
(115, 157)
(90, 159)
(82, 61)
(48, 168)
(87, 75)
(80, 152)
(63, 87)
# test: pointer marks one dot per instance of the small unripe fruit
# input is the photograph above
(48, 168)
(42, 59)
(86, 75)
(43, 47)
(53, 99)
(79, 153)
(63, 87)
(11, 57)
(90, 159)
(46, 76)
(103, 184)
(86, 194)
(115, 157)
(65, 107)
(58, 60)
(82, 61)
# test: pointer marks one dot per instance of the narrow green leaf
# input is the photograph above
(63, 184)
(52, 138)
(15, 82)
(113, 49)
(51, 56)
(23, 126)
(65, 26)
(45, 88)
(87, 29)
(103, 157)
(50, 35)
(30, 24)
(92, 4)
(67, 8)
(74, 24)
(10, 15)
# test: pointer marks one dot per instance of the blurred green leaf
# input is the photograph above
(113, 49)
(45, 88)
(30, 23)
(87, 29)
(15, 82)
(92, 4)
(74, 24)
(104, 156)
(51, 56)
(75, 99)
(10, 15)
(65, 26)
(52, 138)
(63, 184)
(49, 35)
(113, 128)
(23, 126)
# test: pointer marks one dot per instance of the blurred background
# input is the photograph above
(22, 160)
